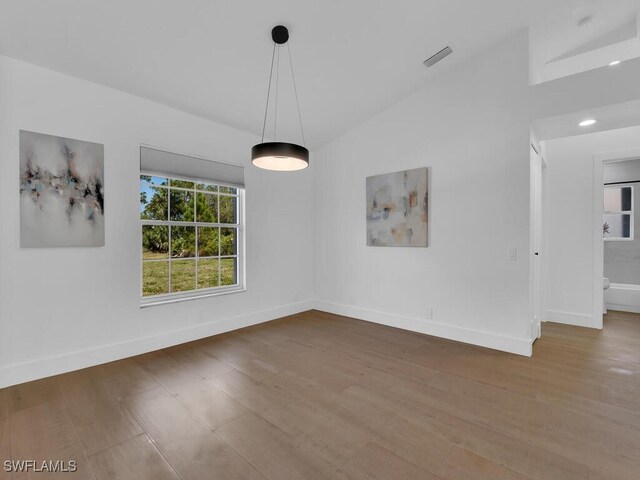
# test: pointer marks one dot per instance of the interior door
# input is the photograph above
(536, 243)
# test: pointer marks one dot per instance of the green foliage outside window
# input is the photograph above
(163, 200)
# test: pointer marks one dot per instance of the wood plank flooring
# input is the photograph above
(318, 396)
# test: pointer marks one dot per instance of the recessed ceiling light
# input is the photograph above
(615, 62)
(588, 122)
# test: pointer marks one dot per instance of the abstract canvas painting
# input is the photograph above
(397, 209)
(61, 192)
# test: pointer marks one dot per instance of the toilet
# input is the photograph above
(605, 284)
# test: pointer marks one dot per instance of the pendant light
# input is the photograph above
(280, 156)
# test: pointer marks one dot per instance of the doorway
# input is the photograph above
(618, 241)
(572, 256)
(537, 165)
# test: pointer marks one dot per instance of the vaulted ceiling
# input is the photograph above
(211, 58)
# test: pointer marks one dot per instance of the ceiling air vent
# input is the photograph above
(431, 61)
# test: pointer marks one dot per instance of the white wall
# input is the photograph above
(66, 308)
(569, 221)
(471, 128)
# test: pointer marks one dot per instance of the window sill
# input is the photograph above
(182, 297)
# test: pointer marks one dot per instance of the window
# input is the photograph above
(618, 213)
(192, 236)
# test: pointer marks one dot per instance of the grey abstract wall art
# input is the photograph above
(61, 192)
(397, 209)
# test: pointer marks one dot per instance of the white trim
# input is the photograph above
(598, 242)
(46, 367)
(152, 301)
(619, 307)
(520, 346)
(599, 160)
(536, 307)
(572, 318)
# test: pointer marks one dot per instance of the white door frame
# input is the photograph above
(599, 159)
(537, 165)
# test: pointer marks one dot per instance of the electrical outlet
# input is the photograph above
(512, 255)
(429, 312)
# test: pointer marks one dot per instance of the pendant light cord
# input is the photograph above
(266, 108)
(296, 92)
(275, 110)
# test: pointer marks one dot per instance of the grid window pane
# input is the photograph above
(612, 200)
(181, 183)
(626, 198)
(153, 202)
(181, 251)
(155, 278)
(208, 241)
(183, 242)
(228, 241)
(182, 206)
(155, 241)
(208, 273)
(617, 225)
(228, 207)
(617, 199)
(206, 207)
(207, 187)
(153, 180)
(183, 275)
(228, 274)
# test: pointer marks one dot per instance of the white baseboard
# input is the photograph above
(46, 367)
(571, 318)
(520, 346)
(620, 307)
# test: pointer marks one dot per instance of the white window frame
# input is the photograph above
(622, 212)
(172, 297)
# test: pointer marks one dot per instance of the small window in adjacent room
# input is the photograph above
(618, 213)
(192, 237)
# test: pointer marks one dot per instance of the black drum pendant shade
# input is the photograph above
(280, 156)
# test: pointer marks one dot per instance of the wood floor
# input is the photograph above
(318, 396)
